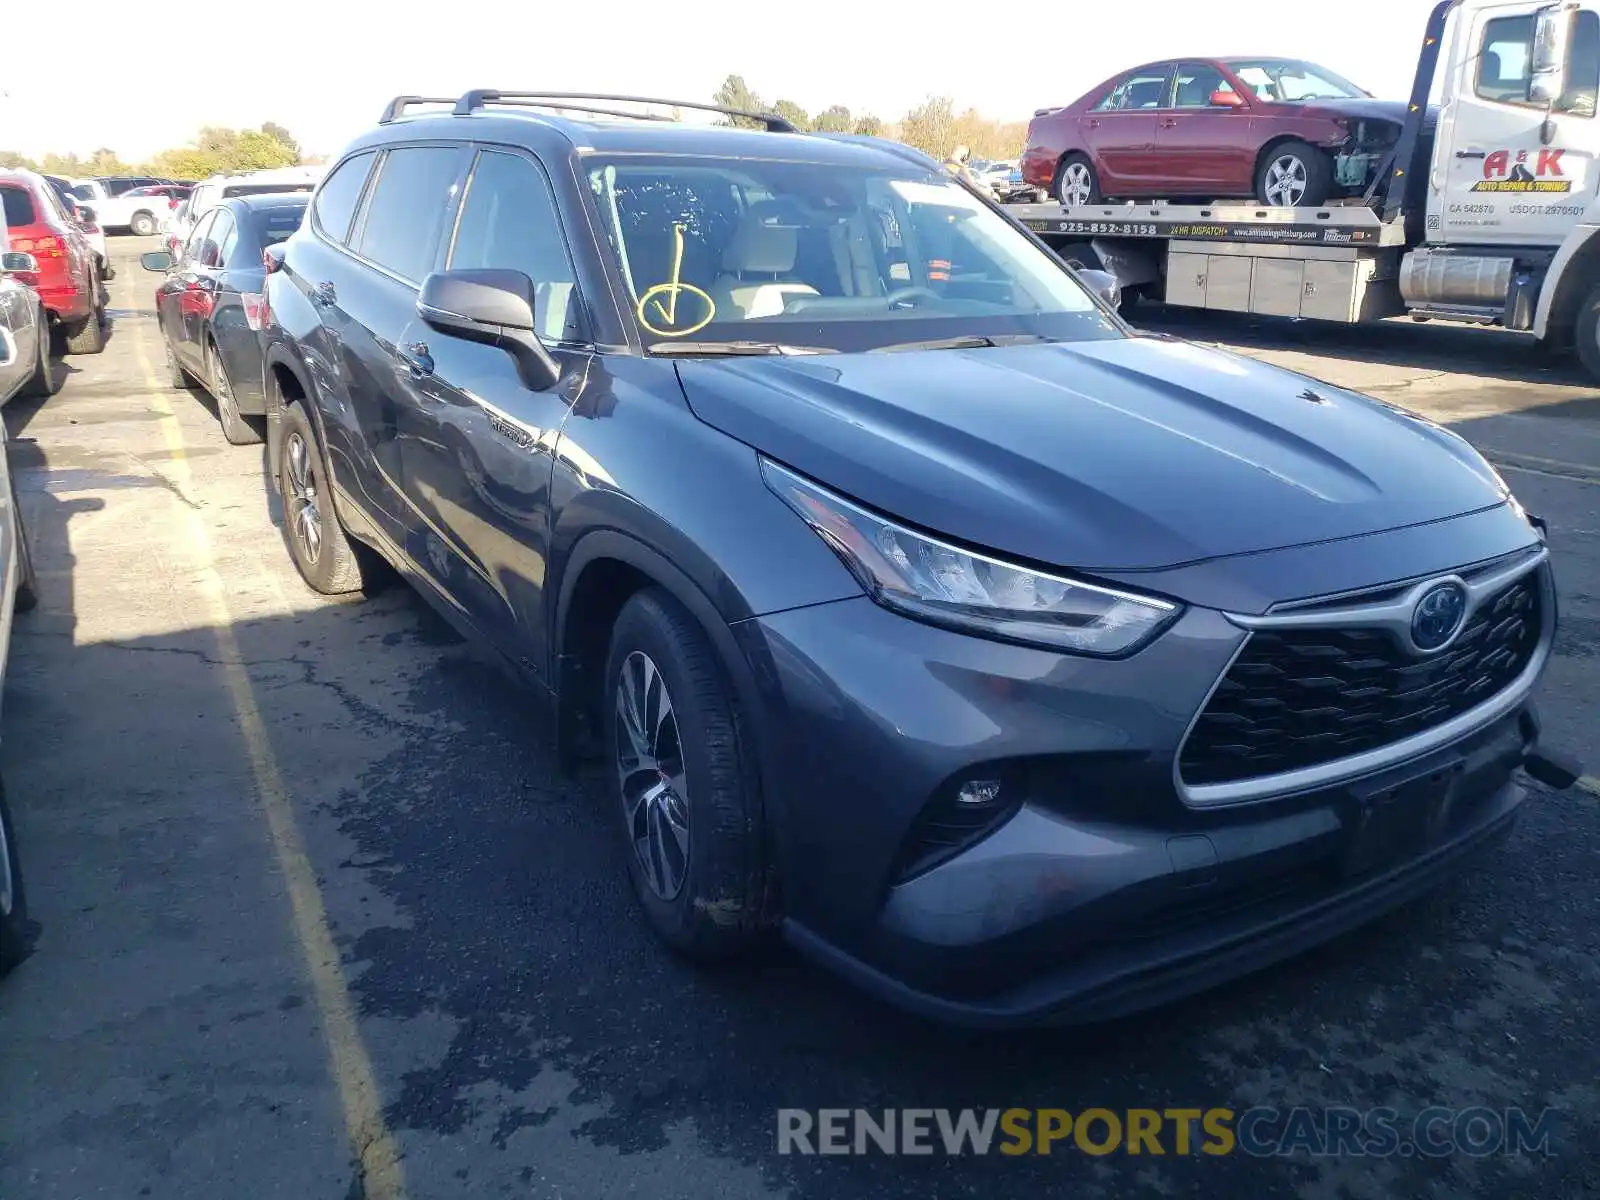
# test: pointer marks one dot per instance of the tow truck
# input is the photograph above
(1486, 214)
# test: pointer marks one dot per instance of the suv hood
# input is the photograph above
(1128, 454)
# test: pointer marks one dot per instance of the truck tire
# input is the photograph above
(1294, 174)
(1076, 181)
(1586, 332)
(143, 224)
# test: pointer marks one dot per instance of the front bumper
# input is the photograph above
(1105, 889)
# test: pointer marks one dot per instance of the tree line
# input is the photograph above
(934, 126)
(216, 150)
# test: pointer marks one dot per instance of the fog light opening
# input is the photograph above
(978, 793)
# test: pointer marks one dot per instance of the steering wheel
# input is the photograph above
(904, 297)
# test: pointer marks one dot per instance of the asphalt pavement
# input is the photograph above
(320, 920)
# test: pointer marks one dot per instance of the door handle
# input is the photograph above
(1471, 154)
(1169, 123)
(324, 293)
(417, 359)
(1094, 123)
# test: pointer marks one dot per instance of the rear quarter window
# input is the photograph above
(336, 202)
(18, 206)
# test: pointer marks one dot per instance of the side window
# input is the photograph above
(227, 240)
(1196, 83)
(210, 252)
(508, 220)
(197, 238)
(400, 227)
(340, 192)
(1142, 89)
(1506, 57)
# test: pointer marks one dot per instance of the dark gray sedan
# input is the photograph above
(210, 304)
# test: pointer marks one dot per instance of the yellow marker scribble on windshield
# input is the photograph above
(671, 289)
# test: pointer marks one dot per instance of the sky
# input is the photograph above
(324, 69)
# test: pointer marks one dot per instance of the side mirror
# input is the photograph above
(1547, 73)
(494, 307)
(272, 258)
(156, 260)
(1105, 285)
(14, 262)
(1226, 100)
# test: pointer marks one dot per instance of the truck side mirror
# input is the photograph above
(1547, 73)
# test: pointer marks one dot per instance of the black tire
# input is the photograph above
(238, 430)
(143, 224)
(27, 597)
(89, 335)
(14, 940)
(43, 381)
(726, 898)
(1586, 332)
(1080, 255)
(1315, 173)
(336, 565)
(1076, 168)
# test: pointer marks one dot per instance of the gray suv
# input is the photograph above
(1017, 664)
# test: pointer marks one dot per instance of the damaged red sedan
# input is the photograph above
(1287, 132)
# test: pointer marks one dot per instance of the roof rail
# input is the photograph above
(478, 97)
(399, 104)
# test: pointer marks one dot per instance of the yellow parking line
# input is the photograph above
(374, 1145)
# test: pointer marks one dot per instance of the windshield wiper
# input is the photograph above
(966, 341)
(733, 348)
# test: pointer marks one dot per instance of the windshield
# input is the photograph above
(825, 256)
(1282, 79)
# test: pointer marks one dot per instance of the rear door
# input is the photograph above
(477, 443)
(371, 300)
(1120, 132)
(1497, 180)
(1202, 146)
(200, 281)
(177, 293)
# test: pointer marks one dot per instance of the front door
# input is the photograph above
(1205, 147)
(1496, 180)
(477, 443)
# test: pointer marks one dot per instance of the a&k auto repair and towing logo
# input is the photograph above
(1511, 171)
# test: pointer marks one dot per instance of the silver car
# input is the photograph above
(24, 329)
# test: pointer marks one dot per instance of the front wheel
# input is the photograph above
(43, 381)
(13, 902)
(1586, 332)
(688, 799)
(1294, 175)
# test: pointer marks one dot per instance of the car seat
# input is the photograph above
(758, 266)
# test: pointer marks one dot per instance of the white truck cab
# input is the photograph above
(1488, 213)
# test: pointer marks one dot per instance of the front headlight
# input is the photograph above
(945, 585)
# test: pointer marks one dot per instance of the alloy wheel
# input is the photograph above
(305, 511)
(1076, 184)
(655, 798)
(1287, 180)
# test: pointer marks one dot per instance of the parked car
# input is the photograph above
(87, 221)
(137, 209)
(209, 304)
(17, 594)
(917, 605)
(68, 276)
(24, 328)
(208, 194)
(1286, 132)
